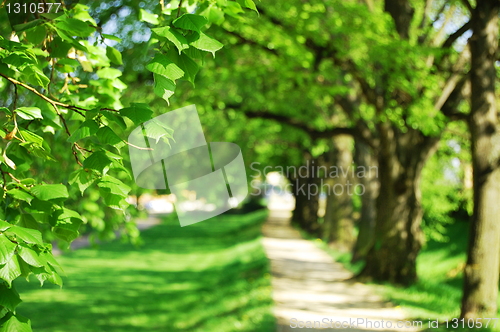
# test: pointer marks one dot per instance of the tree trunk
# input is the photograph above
(338, 225)
(482, 268)
(366, 224)
(306, 189)
(398, 236)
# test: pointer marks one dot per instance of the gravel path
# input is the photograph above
(309, 286)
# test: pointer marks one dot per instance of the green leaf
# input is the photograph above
(25, 269)
(30, 256)
(10, 270)
(248, 4)
(46, 192)
(206, 43)
(97, 161)
(65, 215)
(115, 117)
(4, 225)
(113, 201)
(214, 14)
(107, 136)
(190, 22)
(75, 27)
(37, 150)
(29, 113)
(86, 129)
(47, 273)
(114, 55)
(109, 73)
(173, 35)
(156, 130)
(187, 64)
(53, 16)
(51, 260)
(148, 17)
(16, 323)
(195, 54)
(27, 221)
(67, 230)
(36, 35)
(81, 12)
(9, 298)
(164, 66)
(28, 235)
(59, 48)
(29, 25)
(137, 112)
(163, 87)
(20, 195)
(82, 178)
(114, 186)
(111, 37)
(233, 9)
(31, 137)
(5, 110)
(67, 65)
(35, 76)
(7, 249)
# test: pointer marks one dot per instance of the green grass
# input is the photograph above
(438, 292)
(211, 276)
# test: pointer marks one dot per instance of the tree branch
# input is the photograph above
(250, 42)
(449, 107)
(314, 133)
(52, 101)
(454, 36)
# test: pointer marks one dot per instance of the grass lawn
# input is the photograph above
(438, 292)
(210, 276)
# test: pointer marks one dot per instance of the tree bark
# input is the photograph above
(482, 267)
(338, 225)
(398, 236)
(306, 189)
(366, 224)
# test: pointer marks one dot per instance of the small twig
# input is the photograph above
(179, 8)
(51, 75)
(137, 147)
(65, 125)
(76, 155)
(14, 178)
(76, 109)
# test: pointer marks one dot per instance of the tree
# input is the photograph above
(366, 222)
(391, 74)
(482, 268)
(61, 147)
(338, 224)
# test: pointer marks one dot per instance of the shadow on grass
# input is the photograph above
(211, 276)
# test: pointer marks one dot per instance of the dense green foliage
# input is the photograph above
(61, 155)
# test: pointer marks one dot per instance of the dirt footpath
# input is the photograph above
(309, 286)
